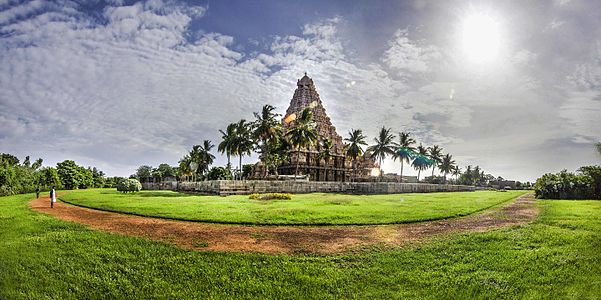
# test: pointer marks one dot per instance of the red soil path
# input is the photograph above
(286, 239)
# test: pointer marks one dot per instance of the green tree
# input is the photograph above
(325, 153)
(354, 147)
(447, 165)
(166, 170)
(143, 173)
(435, 154)
(72, 176)
(421, 161)
(184, 167)
(227, 144)
(49, 177)
(243, 141)
(219, 173)
(302, 134)
(404, 150)
(598, 146)
(384, 146)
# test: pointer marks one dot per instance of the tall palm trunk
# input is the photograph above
(418, 171)
(297, 158)
(240, 166)
(401, 179)
(433, 167)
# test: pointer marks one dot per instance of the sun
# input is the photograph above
(481, 38)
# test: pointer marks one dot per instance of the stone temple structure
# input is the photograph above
(339, 167)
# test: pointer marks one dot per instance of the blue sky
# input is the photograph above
(117, 84)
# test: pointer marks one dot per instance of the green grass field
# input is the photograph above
(557, 256)
(303, 209)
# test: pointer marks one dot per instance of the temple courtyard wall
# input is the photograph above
(244, 187)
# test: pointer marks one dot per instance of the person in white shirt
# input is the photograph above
(52, 197)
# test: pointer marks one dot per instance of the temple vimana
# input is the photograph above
(339, 167)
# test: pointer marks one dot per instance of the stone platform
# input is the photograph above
(244, 187)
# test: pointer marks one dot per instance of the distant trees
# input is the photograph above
(598, 146)
(16, 177)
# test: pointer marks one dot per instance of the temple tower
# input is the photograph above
(338, 168)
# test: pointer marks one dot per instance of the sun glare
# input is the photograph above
(481, 38)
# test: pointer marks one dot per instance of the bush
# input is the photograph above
(129, 185)
(566, 185)
(270, 196)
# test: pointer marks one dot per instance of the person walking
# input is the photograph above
(37, 191)
(52, 197)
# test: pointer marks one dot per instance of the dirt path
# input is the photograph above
(286, 239)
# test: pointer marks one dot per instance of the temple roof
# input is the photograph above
(306, 95)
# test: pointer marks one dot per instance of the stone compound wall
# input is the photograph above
(227, 187)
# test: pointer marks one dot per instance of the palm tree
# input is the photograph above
(326, 154)
(456, 173)
(404, 150)
(421, 160)
(598, 145)
(447, 165)
(268, 133)
(206, 157)
(383, 146)
(354, 148)
(243, 142)
(227, 143)
(435, 153)
(302, 134)
(184, 166)
(266, 124)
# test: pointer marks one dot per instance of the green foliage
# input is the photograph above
(17, 178)
(73, 176)
(219, 173)
(129, 185)
(556, 257)
(304, 209)
(143, 173)
(567, 185)
(271, 196)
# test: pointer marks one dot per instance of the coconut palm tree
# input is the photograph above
(243, 142)
(227, 143)
(266, 124)
(447, 165)
(302, 134)
(326, 154)
(384, 146)
(184, 166)
(207, 157)
(435, 154)
(421, 161)
(354, 149)
(456, 173)
(404, 150)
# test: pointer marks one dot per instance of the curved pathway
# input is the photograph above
(286, 239)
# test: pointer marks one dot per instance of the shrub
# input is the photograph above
(270, 196)
(566, 185)
(129, 185)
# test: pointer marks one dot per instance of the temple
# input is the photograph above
(338, 167)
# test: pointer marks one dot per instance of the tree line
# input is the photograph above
(266, 136)
(18, 177)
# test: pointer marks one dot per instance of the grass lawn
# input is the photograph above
(303, 209)
(557, 256)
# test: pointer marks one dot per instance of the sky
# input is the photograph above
(511, 86)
